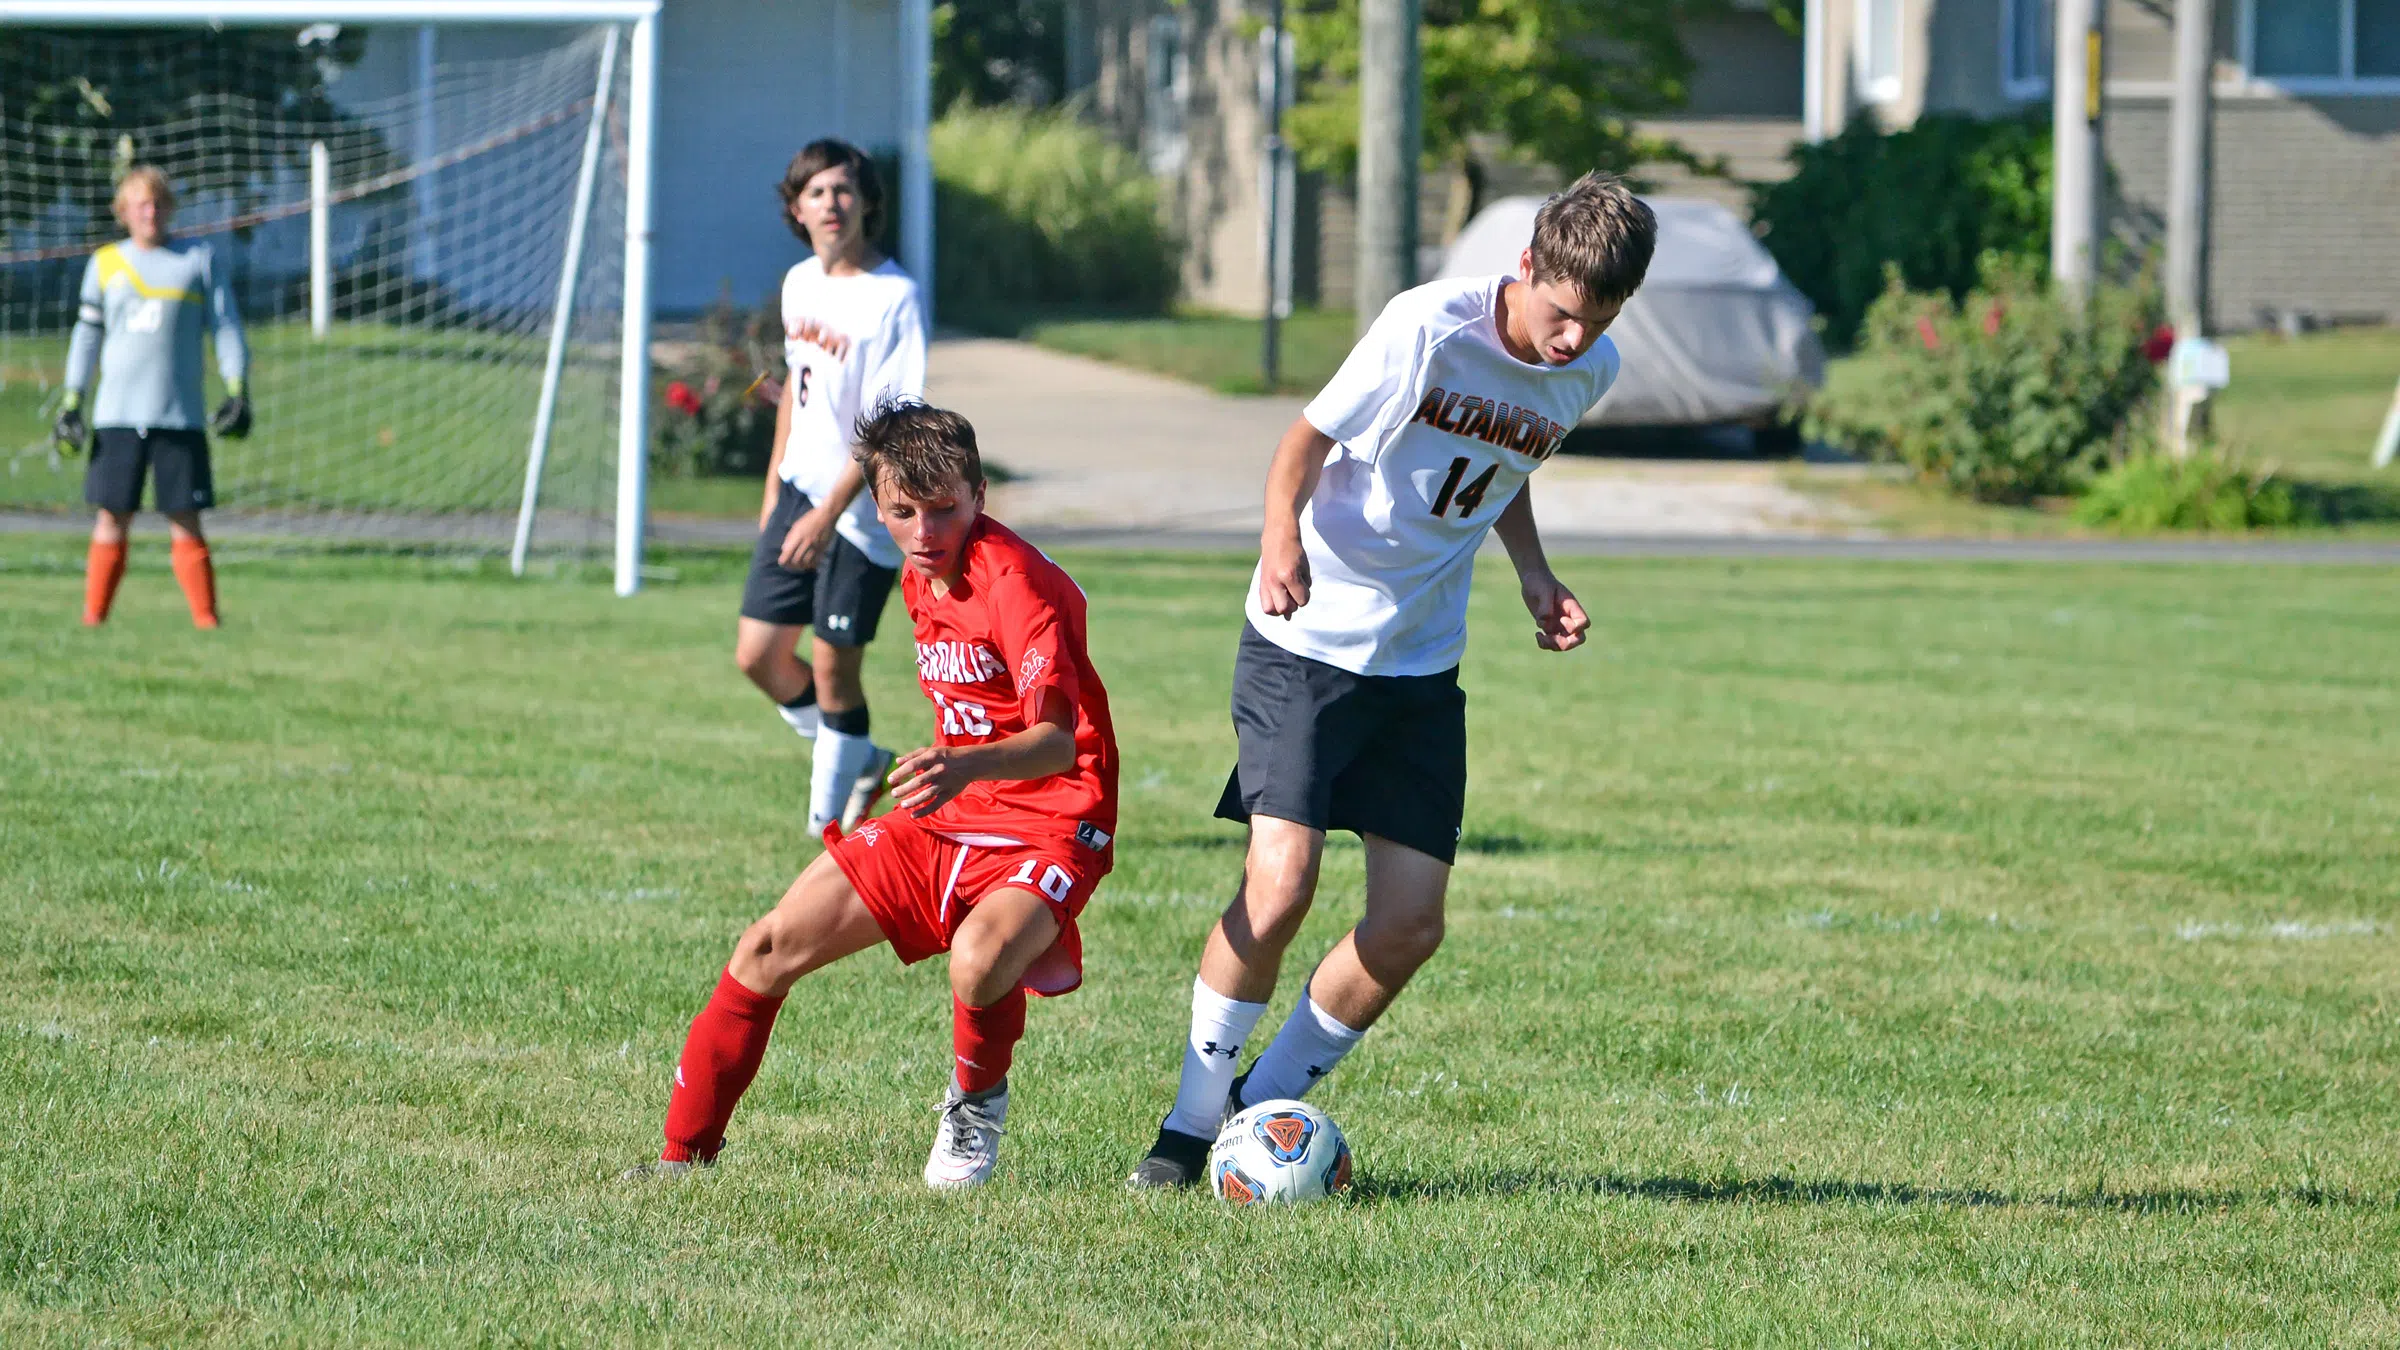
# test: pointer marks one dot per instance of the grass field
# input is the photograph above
(1839, 953)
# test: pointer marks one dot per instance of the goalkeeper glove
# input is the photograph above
(70, 431)
(233, 415)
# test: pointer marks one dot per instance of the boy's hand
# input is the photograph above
(70, 431)
(924, 780)
(1282, 575)
(1558, 618)
(806, 541)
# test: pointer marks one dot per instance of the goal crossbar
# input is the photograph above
(633, 404)
(270, 13)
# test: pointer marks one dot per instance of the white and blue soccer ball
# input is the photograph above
(1282, 1152)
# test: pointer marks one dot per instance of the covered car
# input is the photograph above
(1715, 334)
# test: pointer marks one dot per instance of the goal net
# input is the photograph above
(425, 231)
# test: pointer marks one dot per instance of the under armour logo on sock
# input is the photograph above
(1229, 1052)
(1315, 1072)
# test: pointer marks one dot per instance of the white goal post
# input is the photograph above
(638, 121)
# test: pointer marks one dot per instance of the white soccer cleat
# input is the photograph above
(867, 789)
(967, 1145)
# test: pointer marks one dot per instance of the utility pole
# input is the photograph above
(2187, 199)
(1390, 130)
(1278, 247)
(2075, 197)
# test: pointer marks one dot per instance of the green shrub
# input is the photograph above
(2011, 394)
(2151, 491)
(1035, 209)
(719, 395)
(1931, 200)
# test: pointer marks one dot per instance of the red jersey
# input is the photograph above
(1011, 627)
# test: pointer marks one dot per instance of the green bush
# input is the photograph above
(1035, 209)
(2204, 491)
(1931, 200)
(2010, 394)
(719, 395)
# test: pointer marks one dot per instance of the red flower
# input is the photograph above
(1991, 320)
(681, 398)
(1927, 335)
(2160, 344)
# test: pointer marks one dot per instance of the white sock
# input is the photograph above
(803, 718)
(1219, 1026)
(840, 759)
(1305, 1050)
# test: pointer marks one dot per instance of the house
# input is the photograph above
(741, 86)
(2305, 133)
(2304, 210)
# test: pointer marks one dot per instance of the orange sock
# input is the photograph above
(198, 579)
(103, 568)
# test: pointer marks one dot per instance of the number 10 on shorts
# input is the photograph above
(1055, 882)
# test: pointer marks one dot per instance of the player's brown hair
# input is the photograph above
(815, 158)
(1597, 236)
(917, 447)
(150, 176)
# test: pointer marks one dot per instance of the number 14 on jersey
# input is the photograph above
(1467, 498)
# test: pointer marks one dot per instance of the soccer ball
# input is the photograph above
(1279, 1152)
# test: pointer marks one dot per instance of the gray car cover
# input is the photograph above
(1715, 334)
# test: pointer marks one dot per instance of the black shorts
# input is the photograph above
(176, 460)
(842, 595)
(1373, 754)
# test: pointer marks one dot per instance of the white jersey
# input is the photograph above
(1436, 428)
(851, 342)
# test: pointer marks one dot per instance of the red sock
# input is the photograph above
(103, 568)
(198, 578)
(720, 1057)
(985, 1040)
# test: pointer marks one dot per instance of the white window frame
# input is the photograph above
(1871, 87)
(2022, 89)
(2346, 83)
(1166, 94)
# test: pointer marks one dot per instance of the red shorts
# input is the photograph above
(919, 885)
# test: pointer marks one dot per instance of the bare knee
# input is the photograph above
(1279, 880)
(976, 976)
(1393, 946)
(777, 950)
(110, 527)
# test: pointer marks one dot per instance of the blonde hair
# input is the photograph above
(150, 176)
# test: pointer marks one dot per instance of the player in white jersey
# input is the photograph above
(854, 337)
(1346, 702)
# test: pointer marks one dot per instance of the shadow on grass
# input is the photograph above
(1376, 1188)
(2346, 503)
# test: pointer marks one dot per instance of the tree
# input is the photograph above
(1553, 79)
(164, 96)
(999, 51)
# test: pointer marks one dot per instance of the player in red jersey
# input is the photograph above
(1001, 828)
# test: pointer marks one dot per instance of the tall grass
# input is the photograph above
(1034, 208)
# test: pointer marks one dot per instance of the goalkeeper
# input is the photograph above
(144, 304)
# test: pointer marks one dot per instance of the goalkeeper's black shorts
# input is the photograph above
(176, 461)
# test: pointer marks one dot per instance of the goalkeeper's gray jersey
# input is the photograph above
(142, 315)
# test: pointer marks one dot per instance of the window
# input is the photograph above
(2025, 47)
(2323, 45)
(1167, 82)
(1879, 50)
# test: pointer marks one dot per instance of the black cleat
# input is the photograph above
(1233, 1095)
(1176, 1161)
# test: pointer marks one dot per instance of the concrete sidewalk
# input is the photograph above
(1102, 447)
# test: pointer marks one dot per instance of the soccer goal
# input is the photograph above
(437, 219)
